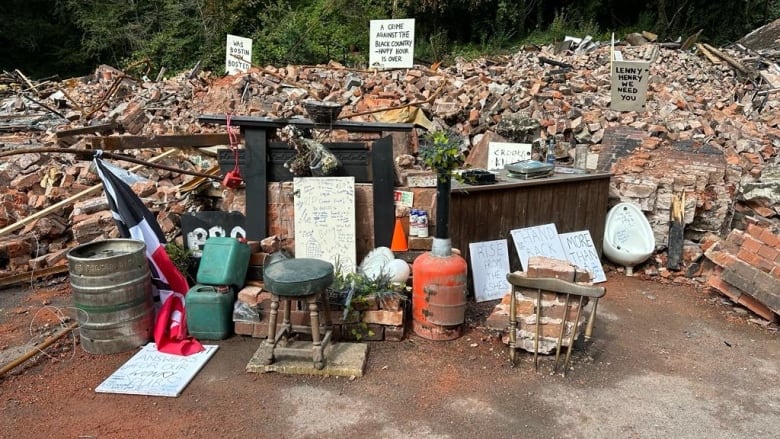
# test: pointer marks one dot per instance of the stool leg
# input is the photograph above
(287, 331)
(271, 340)
(316, 344)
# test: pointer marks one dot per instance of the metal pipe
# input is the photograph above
(443, 185)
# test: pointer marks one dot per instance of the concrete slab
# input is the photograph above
(341, 359)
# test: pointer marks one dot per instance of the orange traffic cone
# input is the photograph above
(399, 243)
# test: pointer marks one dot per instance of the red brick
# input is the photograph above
(721, 258)
(381, 317)
(768, 253)
(715, 281)
(757, 307)
(749, 257)
(769, 238)
(755, 231)
(776, 271)
(539, 266)
(394, 333)
(751, 244)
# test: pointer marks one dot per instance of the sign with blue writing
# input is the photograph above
(325, 220)
(581, 252)
(489, 267)
(391, 44)
(154, 373)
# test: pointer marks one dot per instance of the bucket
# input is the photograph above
(112, 290)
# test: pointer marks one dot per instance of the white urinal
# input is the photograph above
(628, 238)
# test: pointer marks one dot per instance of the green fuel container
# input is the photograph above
(224, 261)
(209, 311)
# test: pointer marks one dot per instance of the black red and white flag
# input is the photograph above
(135, 221)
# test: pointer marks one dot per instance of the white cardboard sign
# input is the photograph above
(391, 44)
(325, 220)
(581, 252)
(629, 85)
(500, 154)
(154, 373)
(238, 47)
(489, 267)
(537, 241)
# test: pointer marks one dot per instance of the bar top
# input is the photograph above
(504, 181)
(264, 122)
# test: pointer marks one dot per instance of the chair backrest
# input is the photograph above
(556, 285)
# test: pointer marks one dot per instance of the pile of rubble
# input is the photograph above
(711, 131)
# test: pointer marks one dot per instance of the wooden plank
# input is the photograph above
(262, 122)
(731, 61)
(164, 141)
(18, 278)
(707, 54)
(102, 128)
(676, 231)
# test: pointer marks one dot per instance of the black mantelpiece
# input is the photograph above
(261, 162)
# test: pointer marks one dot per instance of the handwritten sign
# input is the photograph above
(489, 266)
(392, 44)
(238, 47)
(629, 85)
(581, 252)
(154, 373)
(537, 241)
(325, 220)
(500, 154)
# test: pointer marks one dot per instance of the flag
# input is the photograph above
(135, 221)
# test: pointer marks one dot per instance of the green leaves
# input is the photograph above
(441, 152)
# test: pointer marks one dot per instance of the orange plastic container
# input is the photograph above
(439, 287)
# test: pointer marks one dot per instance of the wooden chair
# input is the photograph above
(556, 286)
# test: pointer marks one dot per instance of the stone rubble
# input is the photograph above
(708, 131)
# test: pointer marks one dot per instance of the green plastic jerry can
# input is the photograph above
(209, 311)
(224, 261)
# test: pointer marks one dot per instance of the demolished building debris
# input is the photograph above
(710, 130)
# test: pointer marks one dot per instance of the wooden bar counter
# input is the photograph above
(574, 202)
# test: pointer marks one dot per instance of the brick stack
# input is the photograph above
(552, 307)
(368, 320)
(747, 269)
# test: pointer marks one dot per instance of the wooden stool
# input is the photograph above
(306, 280)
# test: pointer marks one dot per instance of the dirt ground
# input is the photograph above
(666, 360)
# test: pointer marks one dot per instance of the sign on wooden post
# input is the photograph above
(391, 44)
(537, 241)
(500, 154)
(581, 252)
(325, 220)
(489, 267)
(238, 47)
(629, 85)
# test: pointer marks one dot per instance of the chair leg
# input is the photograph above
(571, 338)
(512, 328)
(538, 327)
(591, 319)
(560, 334)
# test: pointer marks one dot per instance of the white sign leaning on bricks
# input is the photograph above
(238, 54)
(629, 85)
(391, 44)
(501, 154)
